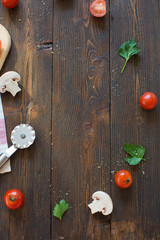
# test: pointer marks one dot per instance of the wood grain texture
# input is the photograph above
(83, 110)
(31, 167)
(136, 214)
(81, 132)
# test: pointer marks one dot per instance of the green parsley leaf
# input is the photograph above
(136, 153)
(134, 150)
(132, 160)
(60, 209)
(127, 50)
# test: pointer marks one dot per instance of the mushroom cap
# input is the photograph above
(10, 75)
(102, 202)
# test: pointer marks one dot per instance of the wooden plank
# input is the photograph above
(81, 126)
(4, 179)
(136, 214)
(31, 56)
(80, 144)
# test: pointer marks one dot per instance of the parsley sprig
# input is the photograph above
(127, 50)
(60, 209)
(136, 153)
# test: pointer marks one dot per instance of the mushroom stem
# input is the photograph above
(96, 206)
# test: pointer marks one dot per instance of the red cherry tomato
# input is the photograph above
(14, 199)
(10, 3)
(148, 100)
(123, 179)
(98, 8)
(0, 44)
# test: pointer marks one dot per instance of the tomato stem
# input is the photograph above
(13, 198)
(127, 180)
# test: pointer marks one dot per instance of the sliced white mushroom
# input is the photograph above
(9, 82)
(6, 44)
(101, 203)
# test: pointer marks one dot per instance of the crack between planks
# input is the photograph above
(51, 151)
(110, 98)
(9, 229)
(45, 46)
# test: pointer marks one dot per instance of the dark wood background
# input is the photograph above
(83, 110)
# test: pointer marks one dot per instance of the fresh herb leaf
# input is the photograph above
(127, 50)
(136, 153)
(132, 160)
(134, 150)
(60, 209)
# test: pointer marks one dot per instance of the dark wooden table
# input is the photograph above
(83, 110)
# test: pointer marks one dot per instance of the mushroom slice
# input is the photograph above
(101, 203)
(6, 44)
(9, 82)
